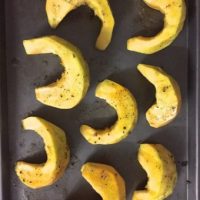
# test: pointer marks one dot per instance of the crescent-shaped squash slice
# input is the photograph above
(68, 91)
(160, 167)
(105, 180)
(124, 103)
(168, 96)
(58, 9)
(174, 12)
(57, 150)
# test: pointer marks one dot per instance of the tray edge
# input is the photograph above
(193, 179)
(4, 147)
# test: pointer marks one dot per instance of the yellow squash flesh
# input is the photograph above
(168, 96)
(105, 180)
(57, 150)
(58, 9)
(70, 89)
(160, 167)
(174, 12)
(125, 105)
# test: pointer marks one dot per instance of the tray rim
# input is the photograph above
(193, 167)
(193, 99)
(4, 151)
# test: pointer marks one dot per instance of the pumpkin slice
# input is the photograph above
(57, 150)
(68, 91)
(105, 180)
(58, 9)
(160, 167)
(126, 107)
(168, 96)
(175, 13)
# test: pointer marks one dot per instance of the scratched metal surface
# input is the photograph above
(27, 19)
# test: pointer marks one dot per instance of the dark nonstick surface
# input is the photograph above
(27, 19)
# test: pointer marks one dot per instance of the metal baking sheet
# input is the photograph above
(20, 74)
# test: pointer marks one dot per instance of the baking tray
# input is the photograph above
(20, 74)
